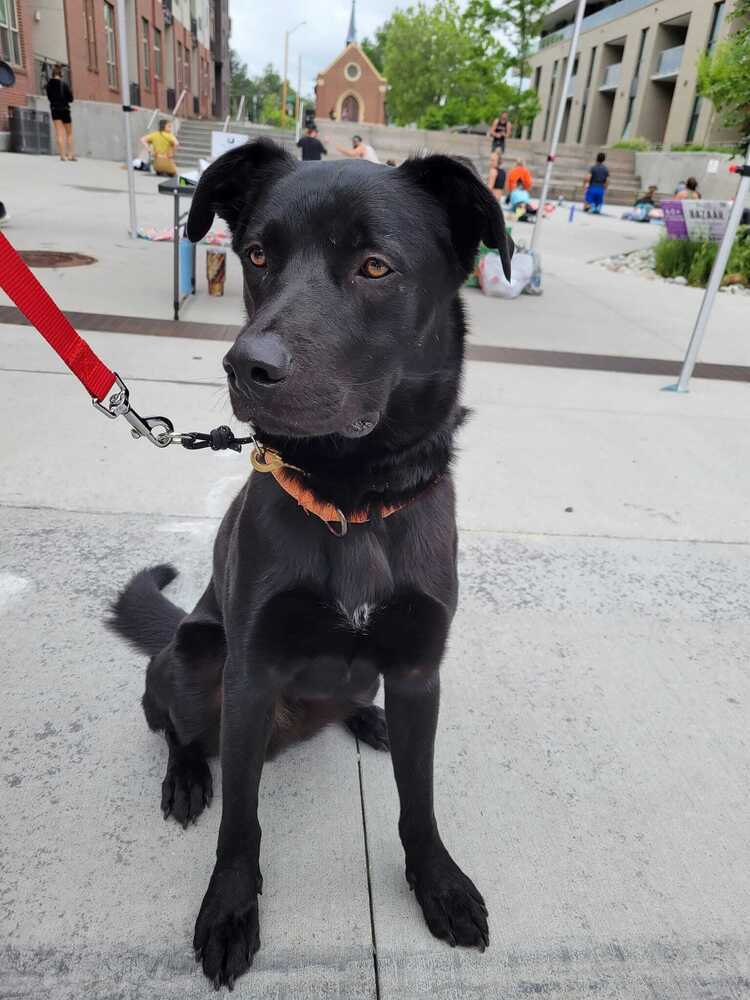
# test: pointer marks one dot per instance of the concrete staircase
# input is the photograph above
(571, 164)
(194, 137)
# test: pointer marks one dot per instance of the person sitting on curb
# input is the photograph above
(596, 185)
(162, 144)
(690, 191)
(496, 176)
(519, 172)
(359, 151)
(520, 203)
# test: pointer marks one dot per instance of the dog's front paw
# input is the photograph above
(452, 905)
(227, 931)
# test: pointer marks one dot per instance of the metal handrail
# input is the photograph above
(179, 102)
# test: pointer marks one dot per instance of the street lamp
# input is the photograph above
(284, 85)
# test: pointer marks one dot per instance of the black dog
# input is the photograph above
(349, 370)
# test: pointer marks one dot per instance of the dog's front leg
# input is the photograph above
(452, 905)
(227, 929)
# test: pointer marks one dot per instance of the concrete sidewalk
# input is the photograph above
(592, 761)
(83, 206)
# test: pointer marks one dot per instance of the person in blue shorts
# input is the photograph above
(596, 185)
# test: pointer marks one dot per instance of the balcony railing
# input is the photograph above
(669, 62)
(597, 20)
(611, 77)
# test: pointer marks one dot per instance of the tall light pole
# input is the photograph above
(122, 38)
(298, 102)
(285, 82)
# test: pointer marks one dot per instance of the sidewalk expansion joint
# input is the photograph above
(375, 968)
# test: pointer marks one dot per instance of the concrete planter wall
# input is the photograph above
(666, 170)
(98, 128)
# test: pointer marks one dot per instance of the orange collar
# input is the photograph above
(268, 460)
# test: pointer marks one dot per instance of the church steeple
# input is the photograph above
(351, 35)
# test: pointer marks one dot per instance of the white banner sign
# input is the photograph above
(222, 142)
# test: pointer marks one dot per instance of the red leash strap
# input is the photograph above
(24, 289)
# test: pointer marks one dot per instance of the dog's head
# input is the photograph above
(349, 270)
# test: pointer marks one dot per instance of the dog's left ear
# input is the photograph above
(473, 211)
(232, 180)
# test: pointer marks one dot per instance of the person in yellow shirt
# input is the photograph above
(162, 144)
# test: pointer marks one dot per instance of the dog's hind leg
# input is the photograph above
(183, 699)
(368, 724)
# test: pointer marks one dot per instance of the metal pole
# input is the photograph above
(298, 102)
(558, 120)
(717, 273)
(284, 82)
(125, 94)
(241, 109)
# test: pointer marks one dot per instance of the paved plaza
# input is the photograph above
(592, 759)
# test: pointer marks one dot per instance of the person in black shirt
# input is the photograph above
(596, 185)
(60, 98)
(311, 146)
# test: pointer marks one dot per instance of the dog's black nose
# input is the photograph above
(261, 360)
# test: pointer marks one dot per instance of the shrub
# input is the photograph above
(694, 259)
(702, 262)
(695, 147)
(674, 257)
(637, 143)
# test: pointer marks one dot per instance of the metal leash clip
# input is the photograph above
(157, 430)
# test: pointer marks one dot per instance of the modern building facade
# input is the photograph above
(174, 46)
(634, 73)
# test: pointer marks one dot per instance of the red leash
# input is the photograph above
(19, 284)
(17, 281)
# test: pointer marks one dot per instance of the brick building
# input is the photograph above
(173, 46)
(350, 88)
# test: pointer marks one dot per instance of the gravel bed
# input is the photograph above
(642, 262)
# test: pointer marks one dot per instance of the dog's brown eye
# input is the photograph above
(258, 256)
(374, 267)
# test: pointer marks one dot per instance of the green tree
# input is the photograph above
(724, 75)
(520, 21)
(262, 93)
(441, 70)
(374, 48)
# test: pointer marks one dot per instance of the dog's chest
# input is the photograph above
(360, 578)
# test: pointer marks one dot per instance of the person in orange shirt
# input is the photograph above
(518, 173)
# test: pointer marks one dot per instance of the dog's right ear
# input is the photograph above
(234, 180)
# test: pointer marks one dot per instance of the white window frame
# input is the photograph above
(10, 34)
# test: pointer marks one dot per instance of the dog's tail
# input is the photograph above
(142, 615)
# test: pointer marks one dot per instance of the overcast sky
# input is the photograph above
(258, 28)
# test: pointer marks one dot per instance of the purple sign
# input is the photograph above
(674, 220)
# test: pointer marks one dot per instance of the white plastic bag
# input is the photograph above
(493, 282)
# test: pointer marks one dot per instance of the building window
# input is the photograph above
(549, 102)
(634, 86)
(718, 17)
(353, 72)
(89, 34)
(157, 53)
(146, 43)
(186, 52)
(713, 34)
(179, 68)
(10, 37)
(110, 46)
(585, 97)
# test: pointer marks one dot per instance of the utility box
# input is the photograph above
(30, 131)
